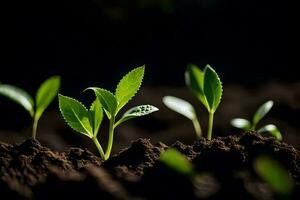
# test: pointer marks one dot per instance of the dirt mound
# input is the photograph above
(224, 164)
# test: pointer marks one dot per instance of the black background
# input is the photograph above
(94, 42)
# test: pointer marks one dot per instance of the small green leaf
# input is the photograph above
(274, 174)
(96, 116)
(107, 100)
(262, 111)
(241, 123)
(45, 94)
(180, 106)
(173, 159)
(272, 129)
(212, 88)
(137, 111)
(129, 85)
(76, 115)
(194, 79)
(19, 96)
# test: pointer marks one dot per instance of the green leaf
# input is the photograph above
(45, 94)
(19, 96)
(107, 100)
(262, 111)
(180, 106)
(194, 79)
(76, 115)
(173, 159)
(128, 86)
(96, 116)
(272, 129)
(137, 111)
(241, 123)
(212, 88)
(274, 174)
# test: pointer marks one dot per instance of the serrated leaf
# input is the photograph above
(128, 86)
(241, 123)
(262, 111)
(180, 106)
(96, 116)
(273, 173)
(137, 111)
(176, 161)
(194, 79)
(45, 94)
(19, 96)
(76, 115)
(212, 88)
(271, 129)
(107, 100)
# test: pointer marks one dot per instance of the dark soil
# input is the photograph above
(31, 171)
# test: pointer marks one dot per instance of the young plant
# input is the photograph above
(88, 121)
(275, 175)
(207, 87)
(44, 96)
(257, 117)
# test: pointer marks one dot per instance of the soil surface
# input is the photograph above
(225, 165)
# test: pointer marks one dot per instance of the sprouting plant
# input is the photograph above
(88, 121)
(257, 117)
(44, 96)
(174, 160)
(207, 87)
(275, 175)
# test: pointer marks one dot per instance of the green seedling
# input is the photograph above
(274, 174)
(88, 121)
(261, 112)
(44, 96)
(207, 87)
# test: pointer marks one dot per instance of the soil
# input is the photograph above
(31, 171)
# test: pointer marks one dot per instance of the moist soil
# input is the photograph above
(224, 164)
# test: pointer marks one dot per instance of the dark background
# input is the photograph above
(95, 42)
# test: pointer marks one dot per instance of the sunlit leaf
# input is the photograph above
(262, 111)
(45, 94)
(137, 111)
(128, 86)
(271, 129)
(241, 123)
(19, 96)
(76, 115)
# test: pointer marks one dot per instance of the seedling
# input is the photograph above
(88, 121)
(44, 96)
(177, 162)
(257, 117)
(274, 174)
(207, 87)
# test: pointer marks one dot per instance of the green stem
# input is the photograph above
(110, 137)
(96, 142)
(197, 127)
(210, 125)
(34, 128)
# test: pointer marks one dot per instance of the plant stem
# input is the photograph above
(197, 127)
(210, 125)
(96, 142)
(110, 137)
(34, 128)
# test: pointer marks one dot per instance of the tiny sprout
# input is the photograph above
(177, 162)
(44, 96)
(88, 121)
(207, 87)
(258, 116)
(274, 174)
